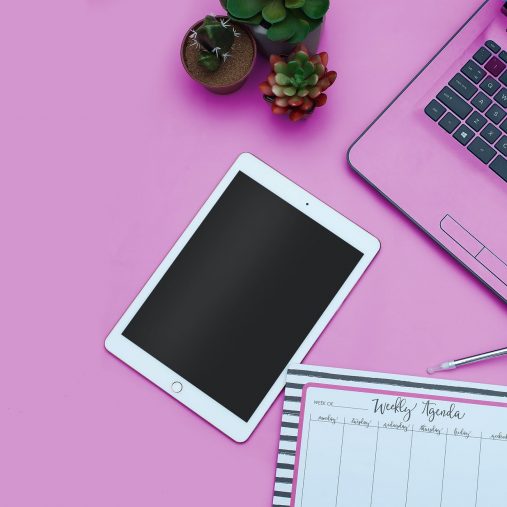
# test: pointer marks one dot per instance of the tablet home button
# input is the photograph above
(176, 387)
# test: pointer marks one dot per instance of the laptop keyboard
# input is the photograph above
(473, 107)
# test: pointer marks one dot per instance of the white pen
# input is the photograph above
(451, 365)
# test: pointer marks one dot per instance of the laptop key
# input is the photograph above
(503, 55)
(454, 102)
(482, 54)
(499, 165)
(473, 71)
(476, 121)
(463, 86)
(496, 114)
(481, 102)
(501, 145)
(434, 110)
(490, 133)
(491, 44)
(464, 135)
(481, 150)
(495, 66)
(503, 78)
(490, 85)
(449, 122)
(503, 126)
(501, 97)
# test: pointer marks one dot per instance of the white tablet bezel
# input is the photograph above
(191, 396)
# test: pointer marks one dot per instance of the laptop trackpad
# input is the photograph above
(494, 264)
(474, 247)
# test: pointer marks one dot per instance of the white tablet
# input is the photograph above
(246, 290)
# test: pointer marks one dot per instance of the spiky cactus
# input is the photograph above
(214, 39)
(296, 84)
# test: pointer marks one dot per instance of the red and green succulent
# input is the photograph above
(296, 83)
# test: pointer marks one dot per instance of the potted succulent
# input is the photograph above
(279, 25)
(218, 53)
(296, 83)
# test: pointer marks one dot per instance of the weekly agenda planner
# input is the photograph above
(349, 438)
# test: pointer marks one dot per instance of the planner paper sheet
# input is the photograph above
(362, 439)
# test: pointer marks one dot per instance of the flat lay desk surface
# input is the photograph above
(108, 150)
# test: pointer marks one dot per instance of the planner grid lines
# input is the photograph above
(409, 462)
(340, 463)
(374, 465)
(478, 473)
(295, 382)
(412, 431)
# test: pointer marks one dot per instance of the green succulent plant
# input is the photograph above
(214, 39)
(285, 20)
(296, 84)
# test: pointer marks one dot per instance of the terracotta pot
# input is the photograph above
(268, 47)
(220, 89)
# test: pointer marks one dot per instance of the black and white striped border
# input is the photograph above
(298, 376)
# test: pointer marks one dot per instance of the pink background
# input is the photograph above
(107, 149)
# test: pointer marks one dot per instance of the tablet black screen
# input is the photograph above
(242, 295)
